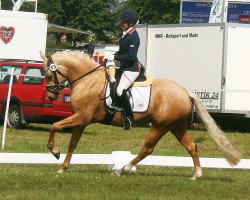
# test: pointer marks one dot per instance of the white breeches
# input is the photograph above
(127, 79)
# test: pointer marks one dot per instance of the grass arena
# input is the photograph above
(93, 181)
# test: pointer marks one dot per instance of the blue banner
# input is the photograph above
(198, 12)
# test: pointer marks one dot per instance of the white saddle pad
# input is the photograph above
(139, 99)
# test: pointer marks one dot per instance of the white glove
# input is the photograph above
(110, 63)
(111, 58)
(112, 79)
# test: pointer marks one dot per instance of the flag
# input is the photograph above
(19, 3)
(218, 13)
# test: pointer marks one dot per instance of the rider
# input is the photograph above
(129, 64)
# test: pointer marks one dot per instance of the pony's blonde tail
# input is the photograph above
(231, 153)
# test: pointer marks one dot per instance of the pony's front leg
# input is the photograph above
(76, 135)
(71, 121)
(51, 142)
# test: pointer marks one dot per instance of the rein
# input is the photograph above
(85, 74)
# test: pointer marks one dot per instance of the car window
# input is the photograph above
(33, 76)
(5, 71)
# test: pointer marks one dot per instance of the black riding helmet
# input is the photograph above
(129, 16)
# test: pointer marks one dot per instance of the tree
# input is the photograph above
(88, 15)
(92, 15)
(96, 15)
(7, 5)
(156, 11)
(26, 6)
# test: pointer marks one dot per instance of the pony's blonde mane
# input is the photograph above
(77, 55)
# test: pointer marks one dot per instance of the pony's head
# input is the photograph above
(55, 74)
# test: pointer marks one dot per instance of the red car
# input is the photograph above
(28, 102)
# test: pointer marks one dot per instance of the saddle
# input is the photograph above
(139, 94)
(141, 81)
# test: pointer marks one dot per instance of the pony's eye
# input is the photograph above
(49, 78)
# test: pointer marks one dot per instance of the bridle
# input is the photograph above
(57, 87)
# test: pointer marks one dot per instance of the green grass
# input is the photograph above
(94, 182)
(105, 139)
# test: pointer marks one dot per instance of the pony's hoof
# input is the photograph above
(60, 171)
(57, 156)
(117, 172)
(56, 152)
(195, 177)
(114, 173)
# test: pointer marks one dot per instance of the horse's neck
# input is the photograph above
(89, 78)
(78, 68)
(90, 88)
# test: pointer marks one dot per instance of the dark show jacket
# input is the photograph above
(127, 54)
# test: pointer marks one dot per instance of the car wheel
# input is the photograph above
(14, 119)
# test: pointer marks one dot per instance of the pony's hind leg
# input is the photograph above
(154, 136)
(180, 132)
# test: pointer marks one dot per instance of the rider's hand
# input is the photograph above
(110, 63)
(110, 58)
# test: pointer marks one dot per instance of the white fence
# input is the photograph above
(118, 159)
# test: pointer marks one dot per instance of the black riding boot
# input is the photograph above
(113, 93)
(127, 111)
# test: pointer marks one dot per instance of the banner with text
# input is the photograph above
(218, 13)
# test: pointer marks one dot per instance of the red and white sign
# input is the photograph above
(6, 33)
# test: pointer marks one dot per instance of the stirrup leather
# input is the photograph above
(128, 123)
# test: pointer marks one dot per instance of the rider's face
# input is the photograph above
(124, 26)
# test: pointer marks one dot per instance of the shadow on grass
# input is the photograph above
(37, 128)
(141, 171)
(241, 125)
(45, 128)
(168, 172)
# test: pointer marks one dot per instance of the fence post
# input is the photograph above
(7, 108)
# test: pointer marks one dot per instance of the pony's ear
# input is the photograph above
(43, 57)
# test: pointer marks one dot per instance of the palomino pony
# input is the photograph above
(169, 109)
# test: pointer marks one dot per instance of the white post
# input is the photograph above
(224, 11)
(7, 108)
(36, 6)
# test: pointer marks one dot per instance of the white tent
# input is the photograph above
(54, 28)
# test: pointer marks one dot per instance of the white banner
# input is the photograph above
(218, 13)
